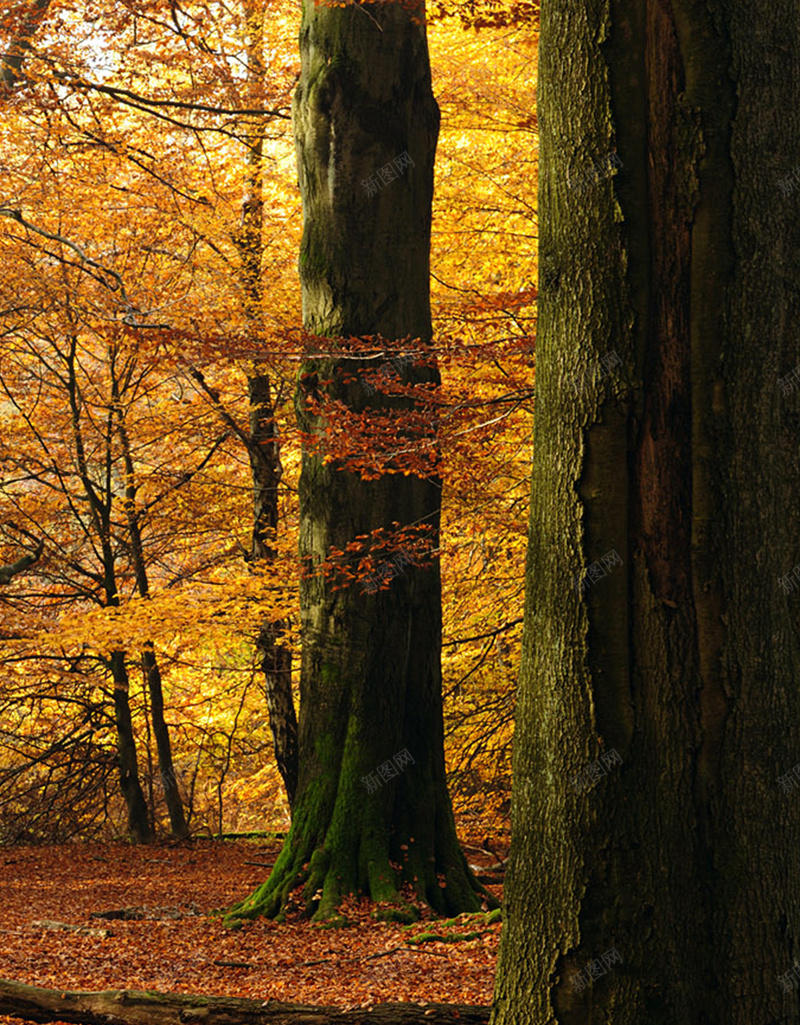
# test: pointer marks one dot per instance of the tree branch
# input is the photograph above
(7, 573)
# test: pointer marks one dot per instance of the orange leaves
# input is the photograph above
(372, 560)
(176, 946)
(131, 141)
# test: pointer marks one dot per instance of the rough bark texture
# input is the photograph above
(371, 673)
(137, 1007)
(684, 461)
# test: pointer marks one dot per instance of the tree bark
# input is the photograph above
(372, 811)
(168, 779)
(130, 785)
(264, 443)
(150, 667)
(137, 1007)
(100, 505)
(20, 565)
(676, 462)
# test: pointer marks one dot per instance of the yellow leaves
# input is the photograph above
(155, 194)
(223, 605)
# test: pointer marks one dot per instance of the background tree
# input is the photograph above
(653, 874)
(262, 439)
(366, 125)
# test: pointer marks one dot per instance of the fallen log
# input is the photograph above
(84, 930)
(128, 914)
(140, 1007)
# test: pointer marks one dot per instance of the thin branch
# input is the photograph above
(123, 95)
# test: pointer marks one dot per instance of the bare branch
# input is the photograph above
(126, 95)
(7, 573)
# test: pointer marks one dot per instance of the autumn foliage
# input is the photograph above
(126, 344)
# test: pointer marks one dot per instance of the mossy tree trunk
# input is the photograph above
(372, 811)
(654, 875)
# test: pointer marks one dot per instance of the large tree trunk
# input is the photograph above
(139, 1007)
(662, 884)
(372, 810)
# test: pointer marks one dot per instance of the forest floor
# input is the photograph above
(177, 945)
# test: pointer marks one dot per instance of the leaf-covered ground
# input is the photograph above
(177, 942)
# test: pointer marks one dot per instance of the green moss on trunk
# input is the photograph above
(371, 661)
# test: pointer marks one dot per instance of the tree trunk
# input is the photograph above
(138, 819)
(100, 506)
(653, 875)
(372, 811)
(137, 1007)
(276, 666)
(276, 660)
(150, 667)
(264, 444)
(168, 779)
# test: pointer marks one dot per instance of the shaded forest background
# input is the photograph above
(128, 134)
